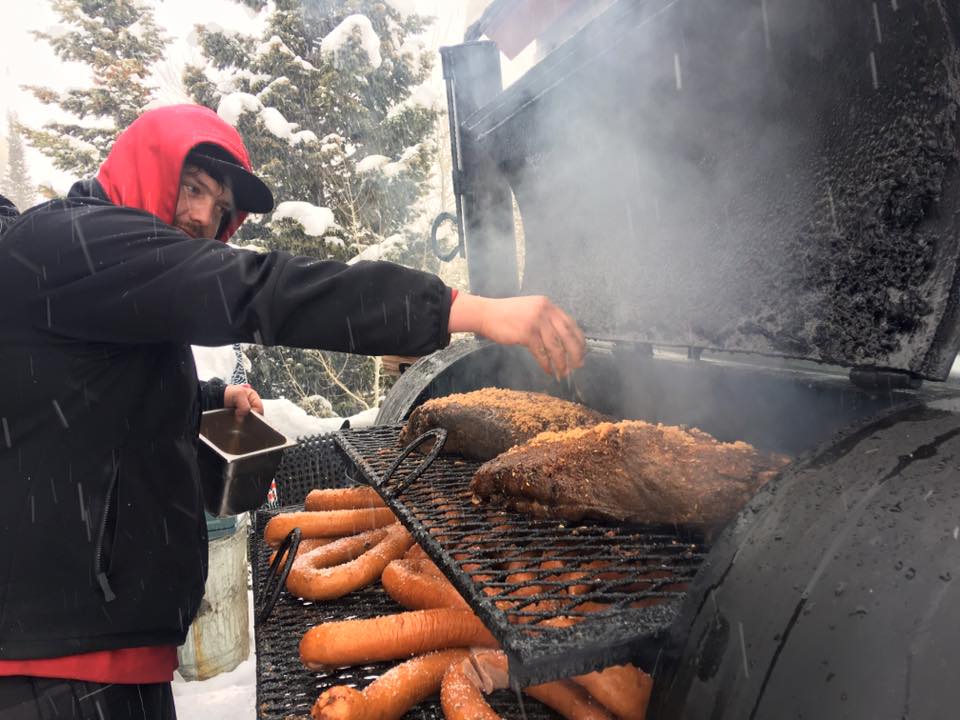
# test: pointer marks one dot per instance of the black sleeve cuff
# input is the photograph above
(211, 394)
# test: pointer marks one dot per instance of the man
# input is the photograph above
(8, 213)
(101, 294)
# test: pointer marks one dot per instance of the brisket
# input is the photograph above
(482, 424)
(631, 471)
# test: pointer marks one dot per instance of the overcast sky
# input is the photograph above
(26, 60)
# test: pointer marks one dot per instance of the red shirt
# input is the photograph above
(140, 665)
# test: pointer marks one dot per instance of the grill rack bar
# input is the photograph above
(636, 576)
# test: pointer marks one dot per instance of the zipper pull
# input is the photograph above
(108, 593)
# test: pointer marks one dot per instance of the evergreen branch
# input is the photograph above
(335, 379)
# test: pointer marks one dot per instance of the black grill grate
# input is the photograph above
(313, 463)
(636, 576)
(285, 688)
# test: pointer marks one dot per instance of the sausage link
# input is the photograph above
(391, 637)
(329, 523)
(568, 699)
(349, 498)
(622, 689)
(391, 695)
(487, 671)
(347, 564)
(304, 547)
(419, 585)
(461, 697)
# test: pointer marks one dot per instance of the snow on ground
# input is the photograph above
(286, 417)
(227, 696)
(293, 421)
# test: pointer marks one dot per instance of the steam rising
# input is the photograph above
(758, 175)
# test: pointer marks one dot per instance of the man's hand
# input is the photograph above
(244, 398)
(551, 336)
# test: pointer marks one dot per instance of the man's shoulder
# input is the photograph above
(91, 217)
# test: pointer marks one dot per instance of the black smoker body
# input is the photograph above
(770, 189)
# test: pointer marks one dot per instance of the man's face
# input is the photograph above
(202, 204)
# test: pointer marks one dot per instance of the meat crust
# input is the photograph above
(631, 471)
(482, 424)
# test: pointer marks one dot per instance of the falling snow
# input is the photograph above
(766, 23)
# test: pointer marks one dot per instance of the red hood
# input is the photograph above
(143, 168)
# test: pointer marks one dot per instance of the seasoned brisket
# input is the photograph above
(631, 471)
(484, 423)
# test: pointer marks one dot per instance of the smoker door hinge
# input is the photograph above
(871, 378)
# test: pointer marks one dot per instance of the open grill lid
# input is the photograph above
(766, 176)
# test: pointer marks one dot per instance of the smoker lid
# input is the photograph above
(776, 177)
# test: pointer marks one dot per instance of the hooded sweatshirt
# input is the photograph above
(100, 299)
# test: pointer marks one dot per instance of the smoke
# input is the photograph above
(766, 176)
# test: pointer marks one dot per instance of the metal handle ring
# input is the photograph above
(440, 220)
(290, 545)
(440, 437)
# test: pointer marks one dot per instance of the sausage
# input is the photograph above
(419, 585)
(487, 671)
(460, 694)
(391, 637)
(519, 600)
(349, 498)
(347, 564)
(305, 546)
(391, 695)
(415, 553)
(622, 689)
(568, 699)
(329, 523)
(562, 621)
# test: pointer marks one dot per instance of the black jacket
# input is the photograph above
(8, 213)
(101, 518)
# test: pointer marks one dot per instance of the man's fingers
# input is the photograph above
(570, 339)
(555, 350)
(243, 404)
(578, 339)
(539, 352)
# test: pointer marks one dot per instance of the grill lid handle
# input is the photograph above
(290, 545)
(440, 437)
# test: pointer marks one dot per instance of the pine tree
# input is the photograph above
(16, 180)
(323, 101)
(119, 40)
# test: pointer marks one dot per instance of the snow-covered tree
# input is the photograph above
(327, 102)
(16, 180)
(119, 41)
